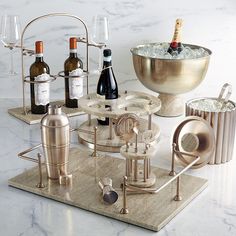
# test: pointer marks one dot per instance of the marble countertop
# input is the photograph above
(213, 212)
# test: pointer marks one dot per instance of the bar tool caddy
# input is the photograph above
(23, 112)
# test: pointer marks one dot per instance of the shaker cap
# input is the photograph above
(55, 118)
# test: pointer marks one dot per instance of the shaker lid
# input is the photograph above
(55, 118)
(195, 136)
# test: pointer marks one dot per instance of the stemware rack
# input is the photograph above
(23, 113)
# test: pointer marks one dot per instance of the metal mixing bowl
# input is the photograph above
(170, 77)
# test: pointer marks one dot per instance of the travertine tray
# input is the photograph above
(150, 211)
(34, 118)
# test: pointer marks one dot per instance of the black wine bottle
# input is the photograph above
(39, 92)
(73, 66)
(107, 85)
(176, 45)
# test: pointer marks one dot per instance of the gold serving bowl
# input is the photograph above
(170, 77)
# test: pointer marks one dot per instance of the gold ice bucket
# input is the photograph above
(170, 77)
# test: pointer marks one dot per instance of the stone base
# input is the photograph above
(31, 119)
(171, 105)
(150, 211)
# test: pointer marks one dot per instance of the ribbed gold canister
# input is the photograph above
(223, 124)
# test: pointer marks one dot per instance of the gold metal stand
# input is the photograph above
(127, 187)
(30, 52)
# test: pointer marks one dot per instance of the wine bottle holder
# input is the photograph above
(62, 74)
(52, 78)
(23, 112)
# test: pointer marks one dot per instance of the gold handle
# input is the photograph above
(38, 160)
(23, 156)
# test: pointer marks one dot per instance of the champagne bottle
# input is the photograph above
(73, 66)
(176, 45)
(39, 92)
(107, 85)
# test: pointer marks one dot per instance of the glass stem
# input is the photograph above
(12, 66)
(100, 59)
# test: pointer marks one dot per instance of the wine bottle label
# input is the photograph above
(76, 84)
(42, 90)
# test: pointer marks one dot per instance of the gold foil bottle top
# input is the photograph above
(177, 33)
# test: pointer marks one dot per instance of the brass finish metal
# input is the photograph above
(110, 196)
(106, 145)
(124, 209)
(95, 142)
(172, 172)
(178, 197)
(55, 133)
(139, 175)
(110, 128)
(169, 76)
(202, 144)
(25, 51)
(128, 187)
(65, 179)
(223, 124)
(40, 184)
(22, 155)
(89, 120)
(149, 121)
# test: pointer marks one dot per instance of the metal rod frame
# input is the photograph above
(133, 189)
(24, 50)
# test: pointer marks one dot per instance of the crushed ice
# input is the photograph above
(211, 105)
(159, 50)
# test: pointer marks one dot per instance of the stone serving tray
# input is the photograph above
(35, 118)
(150, 211)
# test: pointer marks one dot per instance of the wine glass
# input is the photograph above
(10, 35)
(100, 35)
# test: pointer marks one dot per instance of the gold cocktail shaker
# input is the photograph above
(55, 134)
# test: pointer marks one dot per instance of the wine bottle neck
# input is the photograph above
(39, 57)
(73, 53)
(177, 33)
(107, 61)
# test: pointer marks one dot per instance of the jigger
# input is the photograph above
(55, 133)
(109, 195)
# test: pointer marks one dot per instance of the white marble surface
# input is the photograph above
(210, 23)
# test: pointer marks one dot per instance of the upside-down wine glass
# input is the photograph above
(100, 36)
